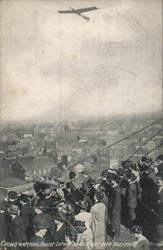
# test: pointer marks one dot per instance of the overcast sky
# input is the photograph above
(56, 66)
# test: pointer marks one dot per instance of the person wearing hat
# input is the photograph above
(39, 188)
(16, 228)
(126, 164)
(85, 217)
(39, 237)
(50, 199)
(59, 236)
(159, 165)
(150, 197)
(12, 199)
(99, 220)
(131, 199)
(70, 192)
(68, 211)
(72, 175)
(85, 177)
(26, 213)
(115, 205)
(88, 188)
(12, 196)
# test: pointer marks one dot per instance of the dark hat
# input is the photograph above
(126, 164)
(70, 185)
(144, 159)
(72, 174)
(12, 195)
(132, 176)
(23, 197)
(104, 173)
(13, 209)
(121, 171)
(40, 186)
(90, 182)
(61, 183)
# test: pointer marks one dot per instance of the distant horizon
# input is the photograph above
(79, 119)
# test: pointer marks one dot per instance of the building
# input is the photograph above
(14, 184)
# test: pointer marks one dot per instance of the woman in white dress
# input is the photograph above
(86, 237)
(99, 221)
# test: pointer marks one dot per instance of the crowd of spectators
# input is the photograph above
(92, 213)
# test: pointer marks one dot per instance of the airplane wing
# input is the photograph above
(66, 11)
(79, 11)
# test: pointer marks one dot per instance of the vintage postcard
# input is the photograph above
(81, 138)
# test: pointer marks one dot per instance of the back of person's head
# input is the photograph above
(83, 205)
(126, 164)
(24, 198)
(69, 185)
(104, 173)
(12, 195)
(72, 175)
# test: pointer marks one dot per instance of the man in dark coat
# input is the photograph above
(149, 204)
(115, 207)
(59, 236)
(159, 164)
(17, 229)
(50, 200)
(12, 199)
(131, 199)
(40, 215)
(26, 213)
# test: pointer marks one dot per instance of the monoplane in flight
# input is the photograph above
(78, 11)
